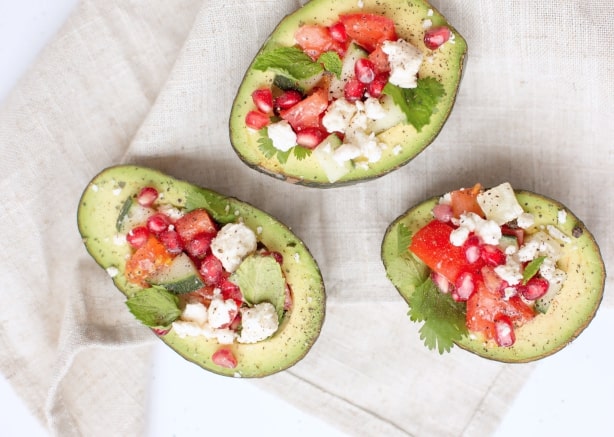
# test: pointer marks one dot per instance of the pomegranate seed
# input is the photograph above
(277, 256)
(443, 212)
(147, 196)
(441, 282)
(256, 120)
(464, 286)
(263, 99)
(338, 33)
(535, 288)
(160, 331)
(211, 270)
(309, 137)
(492, 255)
(436, 36)
(504, 331)
(288, 99)
(288, 299)
(354, 90)
(224, 357)
(199, 245)
(138, 236)
(514, 232)
(472, 254)
(364, 70)
(376, 87)
(158, 223)
(231, 291)
(172, 241)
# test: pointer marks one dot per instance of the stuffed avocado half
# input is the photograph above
(523, 295)
(345, 91)
(221, 282)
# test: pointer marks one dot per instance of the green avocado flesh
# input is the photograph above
(571, 309)
(99, 208)
(403, 141)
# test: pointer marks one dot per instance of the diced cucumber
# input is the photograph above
(303, 86)
(132, 215)
(394, 116)
(324, 154)
(353, 53)
(543, 303)
(179, 277)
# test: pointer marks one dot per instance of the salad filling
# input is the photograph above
(340, 86)
(199, 277)
(486, 253)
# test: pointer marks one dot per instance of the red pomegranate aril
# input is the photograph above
(376, 87)
(492, 255)
(472, 254)
(172, 241)
(514, 232)
(443, 212)
(138, 236)
(263, 99)
(256, 120)
(464, 286)
(309, 137)
(158, 223)
(504, 331)
(364, 70)
(147, 196)
(338, 33)
(160, 331)
(231, 291)
(354, 90)
(211, 270)
(224, 357)
(535, 288)
(436, 36)
(288, 299)
(199, 245)
(287, 99)
(441, 282)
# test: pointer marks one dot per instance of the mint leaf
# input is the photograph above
(288, 61)
(300, 152)
(418, 104)
(331, 62)
(444, 319)
(261, 280)
(532, 268)
(154, 307)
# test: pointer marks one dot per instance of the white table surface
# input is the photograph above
(570, 393)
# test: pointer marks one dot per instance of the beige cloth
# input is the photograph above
(152, 82)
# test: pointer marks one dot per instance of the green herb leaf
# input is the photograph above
(331, 62)
(403, 238)
(288, 61)
(261, 280)
(444, 319)
(265, 144)
(154, 307)
(218, 207)
(301, 153)
(532, 268)
(418, 103)
(123, 213)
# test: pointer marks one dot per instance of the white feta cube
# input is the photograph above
(232, 244)
(258, 323)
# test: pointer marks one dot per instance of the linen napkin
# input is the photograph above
(152, 84)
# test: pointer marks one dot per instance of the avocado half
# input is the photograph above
(99, 208)
(445, 64)
(569, 313)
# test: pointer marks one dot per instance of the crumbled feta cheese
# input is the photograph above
(405, 61)
(221, 312)
(546, 246)
(374, 109)
(562, 216)
(338, 116)
(282, 135)
(232, 244)
(429, 13)
(510, 271)
(487, 230)
(426, 24)
(558, 234)
(525, 220)
(112, 271)
(258, 323)
(171, 211)
(500, 204)
(459, 236)
(397, 149)
(346, 152)
(549, 272)
(297, 257)
(195, 312)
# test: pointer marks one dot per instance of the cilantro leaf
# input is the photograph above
(288, 61)
(418, 103)
(444, 319)
(532, 268)
(301, 153)
(261, 280)
(265, 144)
(154, 307)
(218, 207)
(331, 62)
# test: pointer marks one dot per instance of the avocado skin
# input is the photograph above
(99, 206)
(408, 16)
(573, 308)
